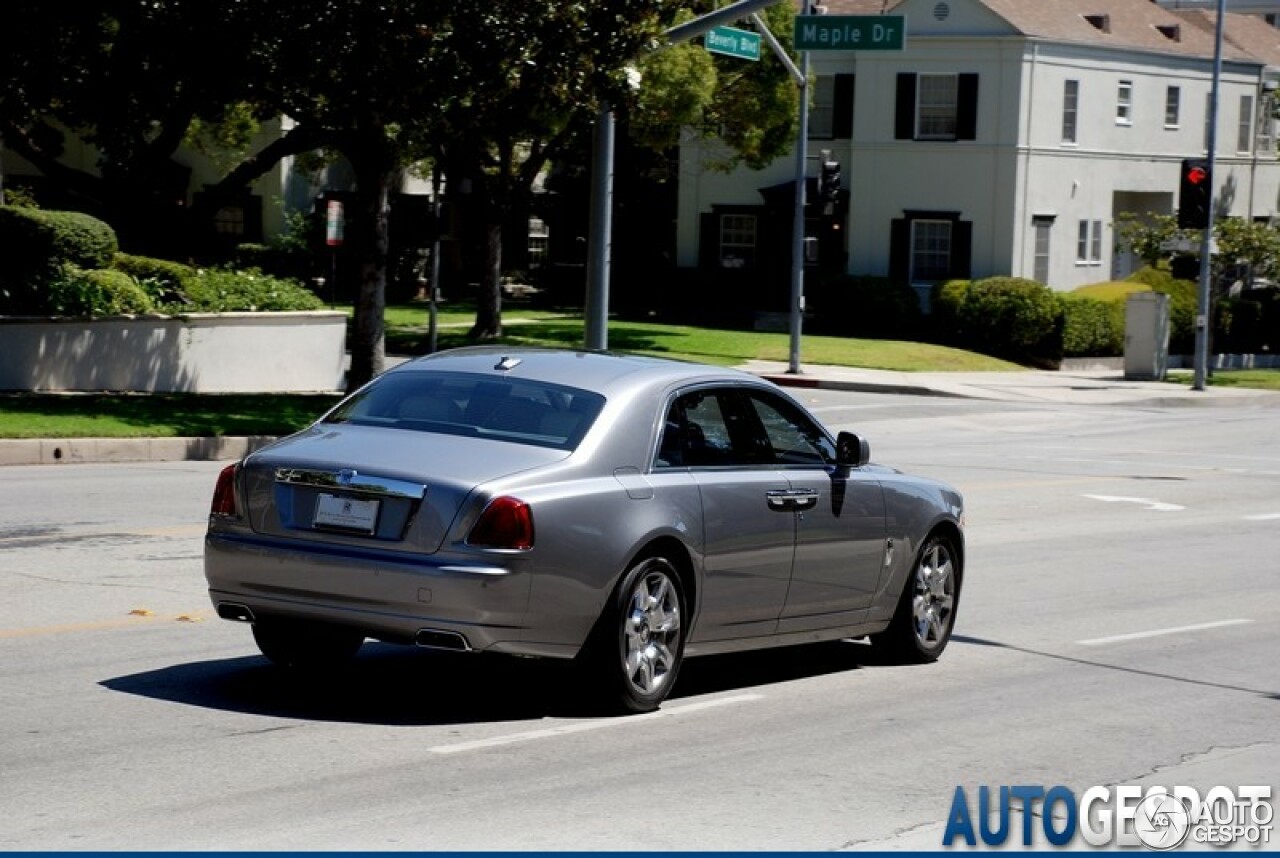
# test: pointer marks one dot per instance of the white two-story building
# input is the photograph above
(1004, 139)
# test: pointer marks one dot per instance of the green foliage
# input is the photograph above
(165, 281)
(1092, 327)
(944, 316)
(224, 139)
(1150, 236)
(96, 292)
(225, 290)
(1243, 242)
(872, 307)
(1183, 303)
(1151, 277)
(37, 245)
(1248, 323)
(1013, 318)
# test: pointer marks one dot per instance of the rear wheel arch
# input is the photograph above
(677, 553)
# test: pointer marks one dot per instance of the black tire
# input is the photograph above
(634, 653)
(926, 613)
(302, 645)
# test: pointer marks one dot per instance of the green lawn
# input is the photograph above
(1261, 379)
(35, 415)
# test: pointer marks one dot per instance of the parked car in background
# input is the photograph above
(623, 511)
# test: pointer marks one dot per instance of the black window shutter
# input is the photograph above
(904, 125)
(961, 249)
(967, 107)
(900, 250)
(842, 118)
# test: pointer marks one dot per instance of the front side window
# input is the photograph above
(930, 250)
(1124, 103)
(1070, 110)
(737, 241)
(936, 104)
(793, 438)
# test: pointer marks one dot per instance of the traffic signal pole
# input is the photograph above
(1206, 240)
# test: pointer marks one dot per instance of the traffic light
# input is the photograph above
(829, 179)
(1195, 194)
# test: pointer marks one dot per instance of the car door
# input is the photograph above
(748, 537)
(840, 520)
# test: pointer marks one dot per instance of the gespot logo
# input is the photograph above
(1125, 815)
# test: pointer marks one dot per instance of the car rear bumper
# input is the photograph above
(388, 598)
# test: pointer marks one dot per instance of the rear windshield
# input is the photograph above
(482, 406)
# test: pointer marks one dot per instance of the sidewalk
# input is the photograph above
(1105, 387)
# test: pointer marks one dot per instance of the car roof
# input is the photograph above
(609, 373)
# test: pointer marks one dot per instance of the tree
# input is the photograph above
(1152, 237)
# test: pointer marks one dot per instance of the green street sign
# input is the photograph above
(850, 32)
(743, 44)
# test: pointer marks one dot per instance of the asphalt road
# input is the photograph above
(1119, 625)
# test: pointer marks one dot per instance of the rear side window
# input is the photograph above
(483, 406)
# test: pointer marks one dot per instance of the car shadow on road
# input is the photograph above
(398, 686)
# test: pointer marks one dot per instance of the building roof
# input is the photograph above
(1247, 33)
(1125, 24)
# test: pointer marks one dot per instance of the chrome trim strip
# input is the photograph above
(495, 571)
(350, 480)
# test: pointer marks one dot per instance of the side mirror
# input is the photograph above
(852, 450)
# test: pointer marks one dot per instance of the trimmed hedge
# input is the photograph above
(164, 280)
(1092, 327)
(38, 244)
(1013, 318)
(225, 290)
(945, 302)
(871, 307)
(96, 292)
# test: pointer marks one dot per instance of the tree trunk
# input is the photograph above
(368, 237)
(488, 324)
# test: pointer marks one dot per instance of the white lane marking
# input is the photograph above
(1270, 516)
(587, 726)
(1158, 506)
(1159, 632)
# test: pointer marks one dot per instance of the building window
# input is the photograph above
(1208, 119)
(1070, 109)
(229, 220)
(737, 241)
(1172, 103)
(1124, 103)
(822, 110)
(936, 107)
(930, 250)
(1043, 232)
(1244, 135)
(1089, 243)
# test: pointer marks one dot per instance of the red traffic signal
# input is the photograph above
(1195, 194)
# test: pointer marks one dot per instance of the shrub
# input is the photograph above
(1091, 327)
(1183, 302)
(38, 244)
(1013, 318)
(874, 307)
(1153, 277)
(225, 290)
(96, 292)
(162, 279)
(944, 314)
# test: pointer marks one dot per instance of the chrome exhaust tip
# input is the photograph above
(436, 639)
(232, 611)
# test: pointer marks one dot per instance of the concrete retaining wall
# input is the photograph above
(299, 352)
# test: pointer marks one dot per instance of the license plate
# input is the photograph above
(360, 516)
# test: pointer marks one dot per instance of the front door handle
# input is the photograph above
(782, 500)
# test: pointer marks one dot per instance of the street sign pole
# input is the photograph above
(797, 225)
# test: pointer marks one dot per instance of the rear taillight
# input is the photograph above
(224, 493)
(506, 522)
